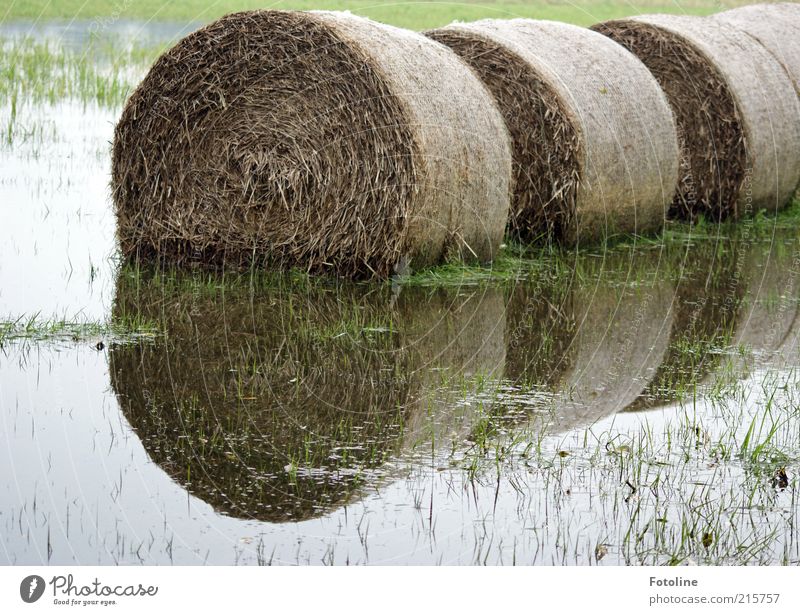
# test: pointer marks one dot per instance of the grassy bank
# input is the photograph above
(415, 15)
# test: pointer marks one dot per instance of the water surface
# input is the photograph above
(632, 405)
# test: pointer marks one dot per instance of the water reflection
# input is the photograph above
(335, 406)
(78, 34)
(586, 346)
(621, 340)
(736, 303)
(706, 300)
(285, 403)
(768, 318)
(58, 247)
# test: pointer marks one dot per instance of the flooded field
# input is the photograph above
(630, 405)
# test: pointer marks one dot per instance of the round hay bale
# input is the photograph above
(737, 114)
(776, 27)
(310, 139)
(595, 150)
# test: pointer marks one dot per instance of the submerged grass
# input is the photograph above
(54, 330)
(712, 481)
(517, 262)
(36, 72)
(551, 265)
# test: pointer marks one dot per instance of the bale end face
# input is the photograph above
(708, 120)
(546, 146)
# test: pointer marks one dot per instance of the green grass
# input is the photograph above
(672, 495)
(38, 72)
(414, 15)
(36, 329)
(516, 262)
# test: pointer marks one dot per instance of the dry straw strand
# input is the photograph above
(317, 140)
(738, 117)
(595, 147)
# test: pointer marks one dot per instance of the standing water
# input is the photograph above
(630, 405)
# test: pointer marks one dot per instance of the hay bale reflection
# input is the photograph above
(285, 402)
(586, 346)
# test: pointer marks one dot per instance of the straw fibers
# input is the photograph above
(595, 149)
(737, 114)
(316, 140)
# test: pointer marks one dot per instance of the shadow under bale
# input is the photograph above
(285, 403)
(315, 140)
